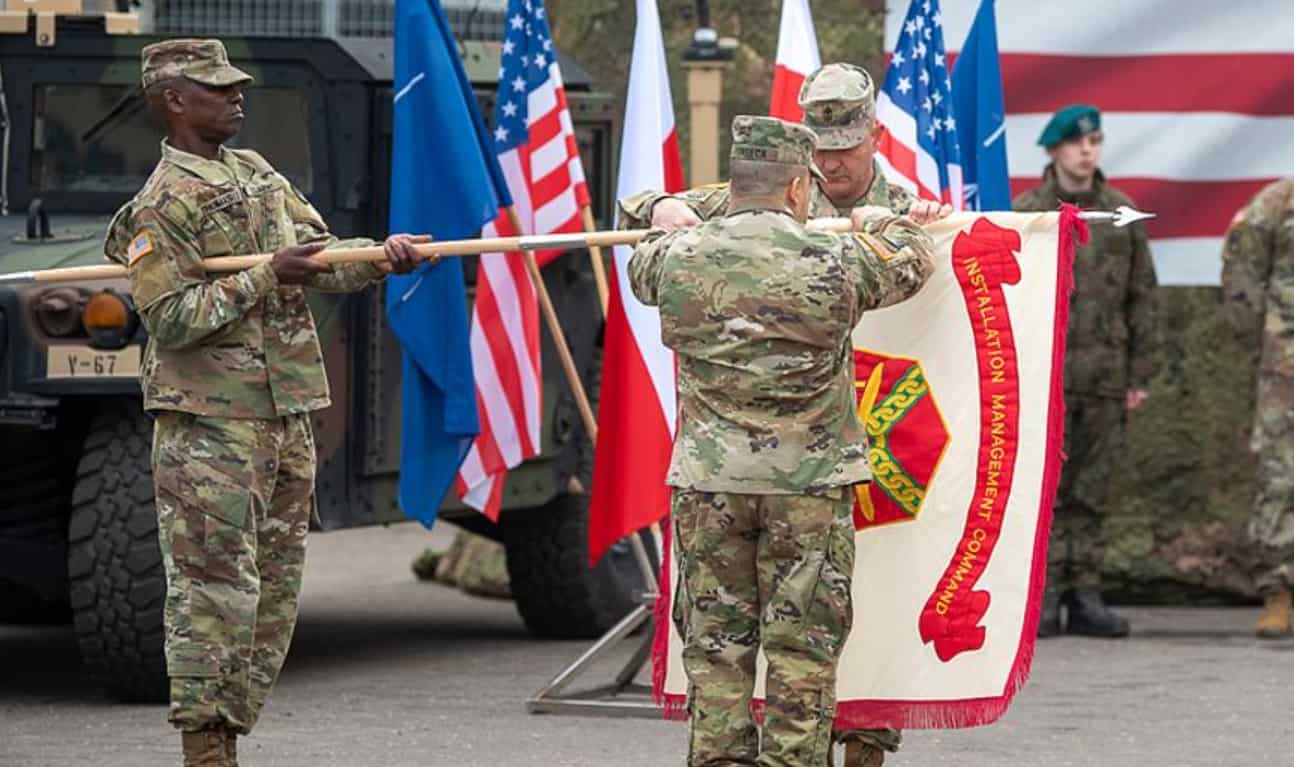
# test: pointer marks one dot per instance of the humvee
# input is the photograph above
(78, 532)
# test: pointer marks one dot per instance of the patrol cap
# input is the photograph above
(839, 103)
(1070, 122)
(203, 61)
(768, 139)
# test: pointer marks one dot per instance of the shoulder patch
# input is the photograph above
(141, 245)
(882, 247)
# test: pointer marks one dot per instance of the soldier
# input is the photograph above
(1258, 299)
(231, 373)
(839, 103)
(1107, 373)
(759, 311)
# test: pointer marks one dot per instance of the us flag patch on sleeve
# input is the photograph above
(140, 246)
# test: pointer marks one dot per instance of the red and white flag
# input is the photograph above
(1196, 100)
(535, 140)
(797, 57)
(637, 409)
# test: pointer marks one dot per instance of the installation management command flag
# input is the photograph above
(960, 389)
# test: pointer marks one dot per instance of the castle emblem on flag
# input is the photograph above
(906, 433)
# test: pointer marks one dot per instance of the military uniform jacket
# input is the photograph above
(712, 200)
(759, 311)
(239, 345)
(1111, 310)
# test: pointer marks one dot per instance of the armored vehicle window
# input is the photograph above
(101, 138)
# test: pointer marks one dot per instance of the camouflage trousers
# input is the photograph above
(234, 501)
(1094, 430)
(1271, 524)
(770, 571)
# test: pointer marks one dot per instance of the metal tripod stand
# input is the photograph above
(623, 697)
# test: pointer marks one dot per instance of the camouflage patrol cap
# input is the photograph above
(203, 61)
(768, 139)
(839, 103)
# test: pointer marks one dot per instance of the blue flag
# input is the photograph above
(981, 116)
(445, 181)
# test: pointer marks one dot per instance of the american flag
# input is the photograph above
(536, 145)
(918, 146)
(1196, 100)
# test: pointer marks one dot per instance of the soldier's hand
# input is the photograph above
(926, 211)
(293, 265)
(670, 214)
(1134, 399)
(865, 215)
(401, 255)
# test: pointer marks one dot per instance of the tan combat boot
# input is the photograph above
(1275, 621)
(205, 748)
(863, 755)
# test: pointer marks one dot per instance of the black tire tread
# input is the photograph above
(118, 585)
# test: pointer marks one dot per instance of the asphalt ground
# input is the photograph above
(389, 672)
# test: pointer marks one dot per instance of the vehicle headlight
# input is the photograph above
(58, 312)
(110, 319)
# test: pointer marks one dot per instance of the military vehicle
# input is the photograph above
(77, 524)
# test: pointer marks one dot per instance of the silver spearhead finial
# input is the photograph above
(1120, 216)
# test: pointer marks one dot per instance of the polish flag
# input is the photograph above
(797, 57)
(638, 407)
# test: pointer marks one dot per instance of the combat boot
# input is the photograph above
(1089, 616)
(205, 748)
(1275, 621)
(863, 755)
(1049, 622)
(231, 749)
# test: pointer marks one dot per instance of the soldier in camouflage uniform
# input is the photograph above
(1258, 298)
(839, 104)
(759, 311)
(231, 373)
(1111, 328)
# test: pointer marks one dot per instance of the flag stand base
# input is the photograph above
(623, 697)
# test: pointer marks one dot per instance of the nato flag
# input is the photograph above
(445, 181)
(981, 116)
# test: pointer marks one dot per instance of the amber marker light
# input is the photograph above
(110, 320)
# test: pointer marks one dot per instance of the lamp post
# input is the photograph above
(705, 59)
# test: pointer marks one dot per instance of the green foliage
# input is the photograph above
(1182, 495)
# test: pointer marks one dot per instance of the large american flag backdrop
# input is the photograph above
(535, 141)
(1197, 102)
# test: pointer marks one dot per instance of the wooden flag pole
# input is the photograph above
(1119, 218)
(595, 255)
(559, 338)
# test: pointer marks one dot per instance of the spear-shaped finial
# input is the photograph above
(1120, 216)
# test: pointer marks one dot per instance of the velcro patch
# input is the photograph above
(882, 247)
(140, 246)
(219, 202)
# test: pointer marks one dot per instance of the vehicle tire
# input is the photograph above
(556, 592)
(118, 585)
(36, 475)
(558, 595)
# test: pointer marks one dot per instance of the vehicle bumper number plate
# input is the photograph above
(88, 362)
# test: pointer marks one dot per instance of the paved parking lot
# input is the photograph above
(389, 672)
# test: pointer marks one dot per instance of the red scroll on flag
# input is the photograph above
(961, 392)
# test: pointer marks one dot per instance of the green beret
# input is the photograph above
(1070, 122)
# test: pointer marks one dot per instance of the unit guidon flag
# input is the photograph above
(960, 389)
